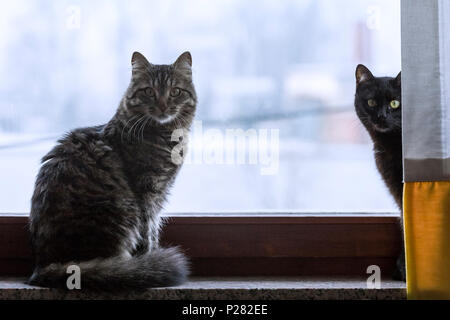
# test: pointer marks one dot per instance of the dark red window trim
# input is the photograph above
(254, 245)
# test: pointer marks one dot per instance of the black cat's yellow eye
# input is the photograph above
(149, 92)
(175, 92)
(372, 103)
(395, 104)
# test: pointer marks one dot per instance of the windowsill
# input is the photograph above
(254, 288)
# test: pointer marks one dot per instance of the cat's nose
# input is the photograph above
(163, 107)
(382, 113)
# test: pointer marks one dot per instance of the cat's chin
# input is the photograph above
(380, 129)
(164, 119)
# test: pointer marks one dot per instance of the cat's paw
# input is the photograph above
(400, 270)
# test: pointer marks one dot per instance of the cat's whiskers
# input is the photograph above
(179, 120)
(137, 129)
(142, 129)
(356, 123)
(133, 127)
(125, 126)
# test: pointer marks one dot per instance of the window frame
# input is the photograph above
(260, 244)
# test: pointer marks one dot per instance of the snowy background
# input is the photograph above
(285, 65)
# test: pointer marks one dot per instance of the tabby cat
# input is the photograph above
(99, 191)
(378, 106)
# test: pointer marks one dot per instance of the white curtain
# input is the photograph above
(426, 89)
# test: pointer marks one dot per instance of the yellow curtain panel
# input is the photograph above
(427, 226)
(426, 147)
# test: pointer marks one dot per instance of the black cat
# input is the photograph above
(378, 106)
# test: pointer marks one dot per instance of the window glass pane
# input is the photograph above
(278, 68)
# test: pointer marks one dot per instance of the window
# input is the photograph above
(280, 71)
(258, 65)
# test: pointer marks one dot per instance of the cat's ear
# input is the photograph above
(139, 62)
(398, 79)
(184, 64)
(362, 74)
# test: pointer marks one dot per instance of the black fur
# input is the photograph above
(384, 125)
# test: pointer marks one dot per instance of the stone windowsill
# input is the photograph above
(260, 288)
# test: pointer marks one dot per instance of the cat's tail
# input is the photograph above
(160, 267)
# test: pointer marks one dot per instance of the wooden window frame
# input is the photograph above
(296, 244)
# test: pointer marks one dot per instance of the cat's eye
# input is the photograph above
(395, 104)
(372, 103)
(149, 92)
(175, 92)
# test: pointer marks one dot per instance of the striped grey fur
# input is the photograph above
(99, 191)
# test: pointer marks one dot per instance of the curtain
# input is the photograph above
(426, 150)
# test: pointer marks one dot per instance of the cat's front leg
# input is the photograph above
(145, 184)
(400, 270)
